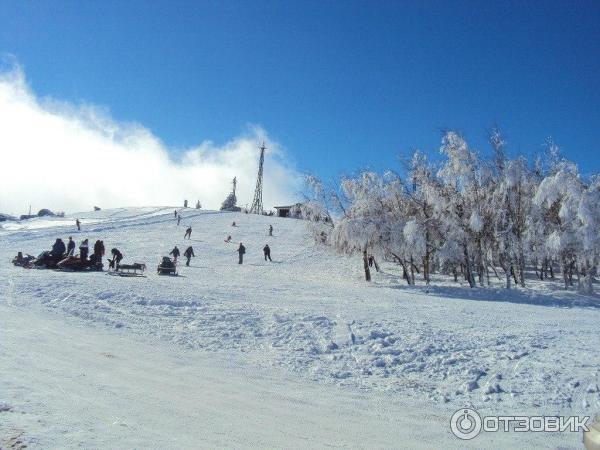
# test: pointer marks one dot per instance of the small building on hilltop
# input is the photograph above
(293, 211)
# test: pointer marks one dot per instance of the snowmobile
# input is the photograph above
(76, 264)
(167, 267)
(129, 270)
(45, 260)
(23, 261)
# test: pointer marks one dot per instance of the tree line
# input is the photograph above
(468, 216)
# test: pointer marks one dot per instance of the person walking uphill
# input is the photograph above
(267, 252)
(241, 251)
(189, 254)
(175, 253)
(188, 233)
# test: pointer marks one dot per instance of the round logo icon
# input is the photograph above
(465, 424)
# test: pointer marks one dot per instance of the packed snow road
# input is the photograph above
(308, 321)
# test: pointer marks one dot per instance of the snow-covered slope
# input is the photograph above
(310, 316)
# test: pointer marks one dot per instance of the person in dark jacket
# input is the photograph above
(267, 252)
(189, 254)
(270, 230)
(117, 256)
(188, 233)
(241, 251)
(58, 249)
(84, 250)
(70, 247)
(178, 220)
(98, 250)
(78, 223)
(175, 253)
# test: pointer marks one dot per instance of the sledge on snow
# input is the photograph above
(167, 267)
(129, 270)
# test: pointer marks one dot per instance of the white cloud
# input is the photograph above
(65, 157)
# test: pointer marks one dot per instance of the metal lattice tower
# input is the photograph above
(257, 203)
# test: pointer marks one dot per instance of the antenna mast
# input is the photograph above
(257, 203)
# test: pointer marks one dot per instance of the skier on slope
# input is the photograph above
(178, 220)
(241, 250)
(175, 212)
(270, 230)
(228, 239)
(267, 252)
(188, 233)
(189, 254)
(175, 253)
(78, 223)
(70, 247)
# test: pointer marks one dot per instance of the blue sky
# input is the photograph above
(342, 85)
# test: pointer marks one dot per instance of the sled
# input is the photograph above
(129, 270)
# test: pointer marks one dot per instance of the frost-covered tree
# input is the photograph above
(229, 204)
(559, 196)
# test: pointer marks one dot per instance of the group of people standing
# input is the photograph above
(60, 251)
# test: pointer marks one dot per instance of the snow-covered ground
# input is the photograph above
(300, 352)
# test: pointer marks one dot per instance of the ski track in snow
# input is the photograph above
(311, 313)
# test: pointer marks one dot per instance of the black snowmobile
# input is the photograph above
(46, 260)
(76, 264)
(167, 267)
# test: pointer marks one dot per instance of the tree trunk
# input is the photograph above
(427, 257)
(521, 265)
(366, 264)
(469, 272)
